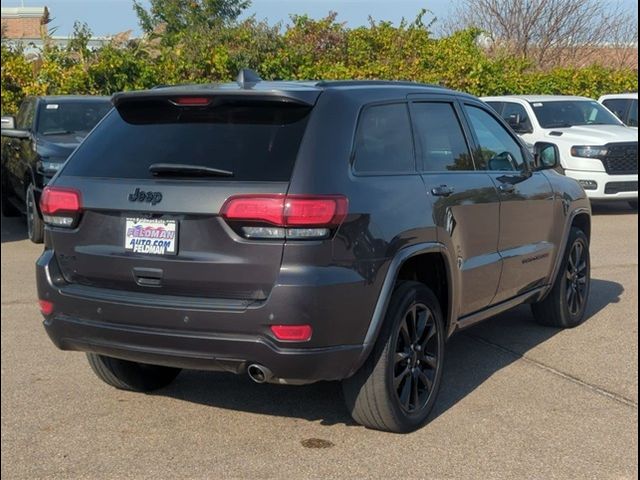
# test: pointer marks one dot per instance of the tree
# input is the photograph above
(548, 32)
(177, 16)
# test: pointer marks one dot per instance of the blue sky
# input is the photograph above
(112, 16)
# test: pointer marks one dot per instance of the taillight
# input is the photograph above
(290, 216)
(292, 333)
(60, 206)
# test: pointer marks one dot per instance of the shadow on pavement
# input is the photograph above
(13, 229)
(612, 208)
(514, 333)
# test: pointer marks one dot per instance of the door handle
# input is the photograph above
(506, 188)
(442, 191)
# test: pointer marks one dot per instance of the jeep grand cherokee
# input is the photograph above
(304, 231)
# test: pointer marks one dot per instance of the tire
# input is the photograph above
(381, 394)
(571, 285)
(35, 224)
(633, 204)
(133, 376)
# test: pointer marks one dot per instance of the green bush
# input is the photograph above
(305, 49)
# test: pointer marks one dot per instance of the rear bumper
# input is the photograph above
(208, 335)
(201, 351)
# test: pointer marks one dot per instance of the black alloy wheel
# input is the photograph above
(416, 358)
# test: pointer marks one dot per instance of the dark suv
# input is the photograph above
(36, 143)
(304, 231)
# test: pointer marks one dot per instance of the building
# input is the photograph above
(24, 22)
(28, 26)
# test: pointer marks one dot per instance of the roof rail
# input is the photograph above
(373, 83)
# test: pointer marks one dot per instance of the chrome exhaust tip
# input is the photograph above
(258, 373)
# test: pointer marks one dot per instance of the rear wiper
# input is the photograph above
(181, 169)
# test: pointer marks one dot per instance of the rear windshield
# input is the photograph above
(257, 141)
(69, 117)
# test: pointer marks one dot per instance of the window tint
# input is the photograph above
(70, 116)
(516, 116)
(497, 149)
(617, 106)
(255, 141)
(633, 114)
(383, 141)
(440, 139)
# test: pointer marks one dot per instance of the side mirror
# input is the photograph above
(8, 122)
(547, 155)
(13, 133)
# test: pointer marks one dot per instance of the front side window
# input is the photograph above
(571, 113)
(441, 142)
(24, 119)
(617, 106)
(497, 149)
(633, 114)
(383, 140)
(516, 116)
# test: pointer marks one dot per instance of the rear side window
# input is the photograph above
(440, 139)
(257, 141)
(383, 140)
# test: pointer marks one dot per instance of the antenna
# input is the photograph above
(247, 79)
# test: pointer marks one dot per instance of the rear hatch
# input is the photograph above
(152, 179)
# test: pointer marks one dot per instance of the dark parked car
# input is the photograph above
(299, 232)
(34, 145)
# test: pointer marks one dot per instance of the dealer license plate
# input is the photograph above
(151, 236)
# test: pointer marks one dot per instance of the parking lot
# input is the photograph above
(518, 400)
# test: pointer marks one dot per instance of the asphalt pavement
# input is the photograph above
(518, 400)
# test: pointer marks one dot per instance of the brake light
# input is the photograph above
(191, 101)
(60, 206)
(289, 210)
(290, 216)
(257, 208)
(292, 333)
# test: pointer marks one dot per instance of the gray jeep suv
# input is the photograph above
(304, 231)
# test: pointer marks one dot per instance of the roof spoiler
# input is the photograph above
(247, 81)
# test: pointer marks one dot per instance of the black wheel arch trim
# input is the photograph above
(564, 242)
(386, 291)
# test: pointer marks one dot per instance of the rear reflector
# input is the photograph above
(46, 307)
(60, 206)
(287, 211)
(292, 333)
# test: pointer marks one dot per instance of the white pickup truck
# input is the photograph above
(593, 145)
